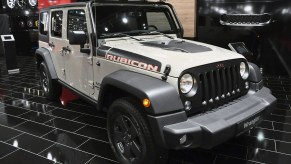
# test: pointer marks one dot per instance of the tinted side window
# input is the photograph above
(76, 21)
(43, 23)
(57, 23)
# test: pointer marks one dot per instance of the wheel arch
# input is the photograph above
(107, 97)
(163, 96)
(43, 55)
(255, 73)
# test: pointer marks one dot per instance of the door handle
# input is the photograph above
(67, 49)
(51, 44)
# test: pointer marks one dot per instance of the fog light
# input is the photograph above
(247, 85)
(260, 136)
(188, 105)
(183, 139)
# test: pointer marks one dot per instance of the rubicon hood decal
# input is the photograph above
(178, 45)
(129, 58)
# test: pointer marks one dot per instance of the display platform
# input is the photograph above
(34, 130)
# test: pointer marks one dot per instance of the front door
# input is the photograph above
(78, 64)
(56, 42)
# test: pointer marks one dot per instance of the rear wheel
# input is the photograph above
(129, 135)
(51, 89)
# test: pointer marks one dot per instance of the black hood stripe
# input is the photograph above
(101, 51)
(177, 45)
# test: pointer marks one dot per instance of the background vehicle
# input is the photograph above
(269, 42)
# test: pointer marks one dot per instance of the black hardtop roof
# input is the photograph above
(75, 4)
(81, 4)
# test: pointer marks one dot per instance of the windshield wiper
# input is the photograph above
(160, 33)
(121, 34)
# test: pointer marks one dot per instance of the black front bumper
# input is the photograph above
(214, 127)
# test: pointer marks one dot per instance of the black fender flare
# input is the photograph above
(163, 96)
(46, 56)
(255, 78)
(255, 73)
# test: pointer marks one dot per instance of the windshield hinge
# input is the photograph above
(91, 83)
(166, 72)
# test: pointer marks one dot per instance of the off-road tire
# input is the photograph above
(50, 87)
(128, 109)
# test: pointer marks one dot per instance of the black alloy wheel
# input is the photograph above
(129, 134)
(127, 138)
(44, 81)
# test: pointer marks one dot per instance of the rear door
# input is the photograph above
(44, 22)
(56, 42)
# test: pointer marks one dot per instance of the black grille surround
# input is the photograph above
(218, 83)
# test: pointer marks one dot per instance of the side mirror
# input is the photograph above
(77, 37)
(85, 50)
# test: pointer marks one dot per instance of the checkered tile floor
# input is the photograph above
(34, 130)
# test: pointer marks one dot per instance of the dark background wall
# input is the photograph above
(271, 44)
(23, 25)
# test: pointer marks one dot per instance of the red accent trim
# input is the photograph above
(67, 96)
(47, 3)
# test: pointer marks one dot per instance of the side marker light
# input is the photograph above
(146, 103)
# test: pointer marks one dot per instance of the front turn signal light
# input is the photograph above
(146, 103)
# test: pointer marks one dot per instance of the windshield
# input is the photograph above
(132, 20)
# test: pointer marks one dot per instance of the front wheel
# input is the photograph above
(129, 135)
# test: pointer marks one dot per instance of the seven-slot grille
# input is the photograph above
(219, 84)
(245, 19)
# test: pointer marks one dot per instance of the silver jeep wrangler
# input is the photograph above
(160, 91)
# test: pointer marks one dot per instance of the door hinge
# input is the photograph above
(91, 83)
(90, 60)
(64, 72)
(94, 84)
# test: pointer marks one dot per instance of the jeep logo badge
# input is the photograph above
(218, 66)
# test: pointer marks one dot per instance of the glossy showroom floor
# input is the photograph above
(36, 131)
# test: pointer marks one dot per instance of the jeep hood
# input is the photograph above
(159, 52)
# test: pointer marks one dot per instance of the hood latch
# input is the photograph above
(166, 72)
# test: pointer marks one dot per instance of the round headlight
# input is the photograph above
(244, 70)
(186, 83)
